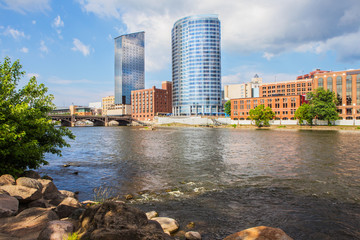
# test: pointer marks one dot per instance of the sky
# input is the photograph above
(69, 45)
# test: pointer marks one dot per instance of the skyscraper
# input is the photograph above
(196, 65)
(129, 66)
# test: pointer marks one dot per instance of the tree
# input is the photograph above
(323, 104)
(227, 107)
(305, 112)
(26, 130)
(261, 115)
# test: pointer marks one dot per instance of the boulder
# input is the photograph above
(39, 203)
(67, 207)
(22, 193)
(50, 192)
(259, 233)
(31, 174)
(169, 225)
(27, 224)
(29, 182)
(151, 214)
(192, 235)
(9, 205)
(56, 230)
(118, 221)
(7, 179)
(68, 194)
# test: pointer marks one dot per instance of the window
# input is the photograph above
(329, 84)
(349, 111)
(358, 89)
(339, 89)
(348, 90)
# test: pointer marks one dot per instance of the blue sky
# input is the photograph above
(69, 44)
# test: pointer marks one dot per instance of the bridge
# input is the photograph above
(70, 120)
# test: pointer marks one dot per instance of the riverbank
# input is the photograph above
(272, 127)
(32, 208)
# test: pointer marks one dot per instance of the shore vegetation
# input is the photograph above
(26, 129)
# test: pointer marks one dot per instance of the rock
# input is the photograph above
(4, 236)
(47, 177)
(39, 203)
(22, 193)
(7, 179)
(29, 182)
(69, 194)
(260, 233)
(31, 174)
(88, 203)
(190, 225)
(168, 224)
(77, 214)
(9, 205)
(118, 221)
(67, 207)
(192, 235)
(56, 230)
(27, 224)
(51, 193)
(128, 196)
(151, 215)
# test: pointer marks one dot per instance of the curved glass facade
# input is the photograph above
(196, 65)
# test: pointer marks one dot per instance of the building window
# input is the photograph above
(321, 83)
(358, 89)
(339, 89)
(329, 84)
(349, 111)
(348, 90)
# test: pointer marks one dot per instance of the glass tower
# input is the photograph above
(129, 66)
(196, 65)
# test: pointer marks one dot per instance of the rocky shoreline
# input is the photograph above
(32, 208)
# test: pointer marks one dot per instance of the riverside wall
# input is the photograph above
(197, 120)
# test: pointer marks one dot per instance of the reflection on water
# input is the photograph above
(287, 175)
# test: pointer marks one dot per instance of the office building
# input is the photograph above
(107, 103)
(285, 97)
(243, 90)
(346, 86)
(129, 66)
(196, 65)
(148, 103)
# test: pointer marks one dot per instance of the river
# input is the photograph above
(224, 180)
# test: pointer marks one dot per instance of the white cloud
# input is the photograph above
(24, 6)
(247, 26)
(30, 75)
(43, 47)
(24, 50)
(33, 22)
(58, 22)
(268, 56)
(16, 34)
(79, 46)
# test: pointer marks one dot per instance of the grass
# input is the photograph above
(73, 236)
(281, 126)
(101, 194)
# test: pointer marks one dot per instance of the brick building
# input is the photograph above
(148, 103)
(284, 107)
(346, 85)
(285, 97)
(290, 88)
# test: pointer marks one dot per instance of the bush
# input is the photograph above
(26, 130)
